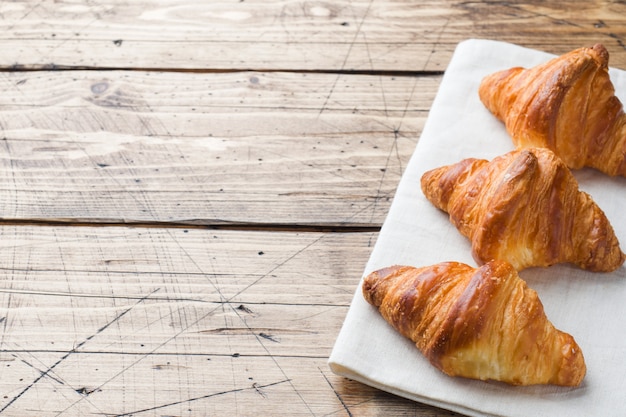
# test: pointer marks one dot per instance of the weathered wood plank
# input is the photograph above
(145, 321)
(177, 290)
(363, 35)
(177, 384)
(249, 147)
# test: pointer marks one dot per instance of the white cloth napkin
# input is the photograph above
(589, 306)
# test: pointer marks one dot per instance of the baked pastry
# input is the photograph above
(483, 323)
(567, 104)
(524, 207)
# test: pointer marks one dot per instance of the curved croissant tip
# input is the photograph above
(598, 47)
(602, 52)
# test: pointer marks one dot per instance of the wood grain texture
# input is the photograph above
(150, 385)
(147, 321)
(61, 284)
(210, 149)
(190, 191)
(362, 35)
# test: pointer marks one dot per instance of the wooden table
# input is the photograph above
(191, 190)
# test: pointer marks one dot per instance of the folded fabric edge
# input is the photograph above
(345, 372)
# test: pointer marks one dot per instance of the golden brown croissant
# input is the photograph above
(567, 104)
(524, 207)
(480, 323)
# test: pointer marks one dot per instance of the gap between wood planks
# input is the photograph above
(55, 67)
(207, 225)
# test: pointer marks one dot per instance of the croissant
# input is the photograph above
(567, 104)
(524, 207)
(483, 323)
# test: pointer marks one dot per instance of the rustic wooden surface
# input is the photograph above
(191, 190)
(356, 35)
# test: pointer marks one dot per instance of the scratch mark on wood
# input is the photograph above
(260, 338)
(519, 8)
(343, 403)
(62, 42)
(244, 309)
(406, 107)
(86, 391)
(166, 366)
(277, 266)
(258, 389)
(618, 40)
(381, 196)
(394, 146)
(263, 332)
(268, 337)
(98, 296)
(380, 77)
(225, 301)
(254, 386)
(37, 369)
(24, 16)
(432, 52)
(6, 322)
(347, 56)
(72, 351)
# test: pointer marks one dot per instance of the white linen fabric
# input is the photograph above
(590, 306)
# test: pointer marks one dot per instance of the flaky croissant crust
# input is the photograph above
(524, 207)
(480, 323)
(567, 104)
